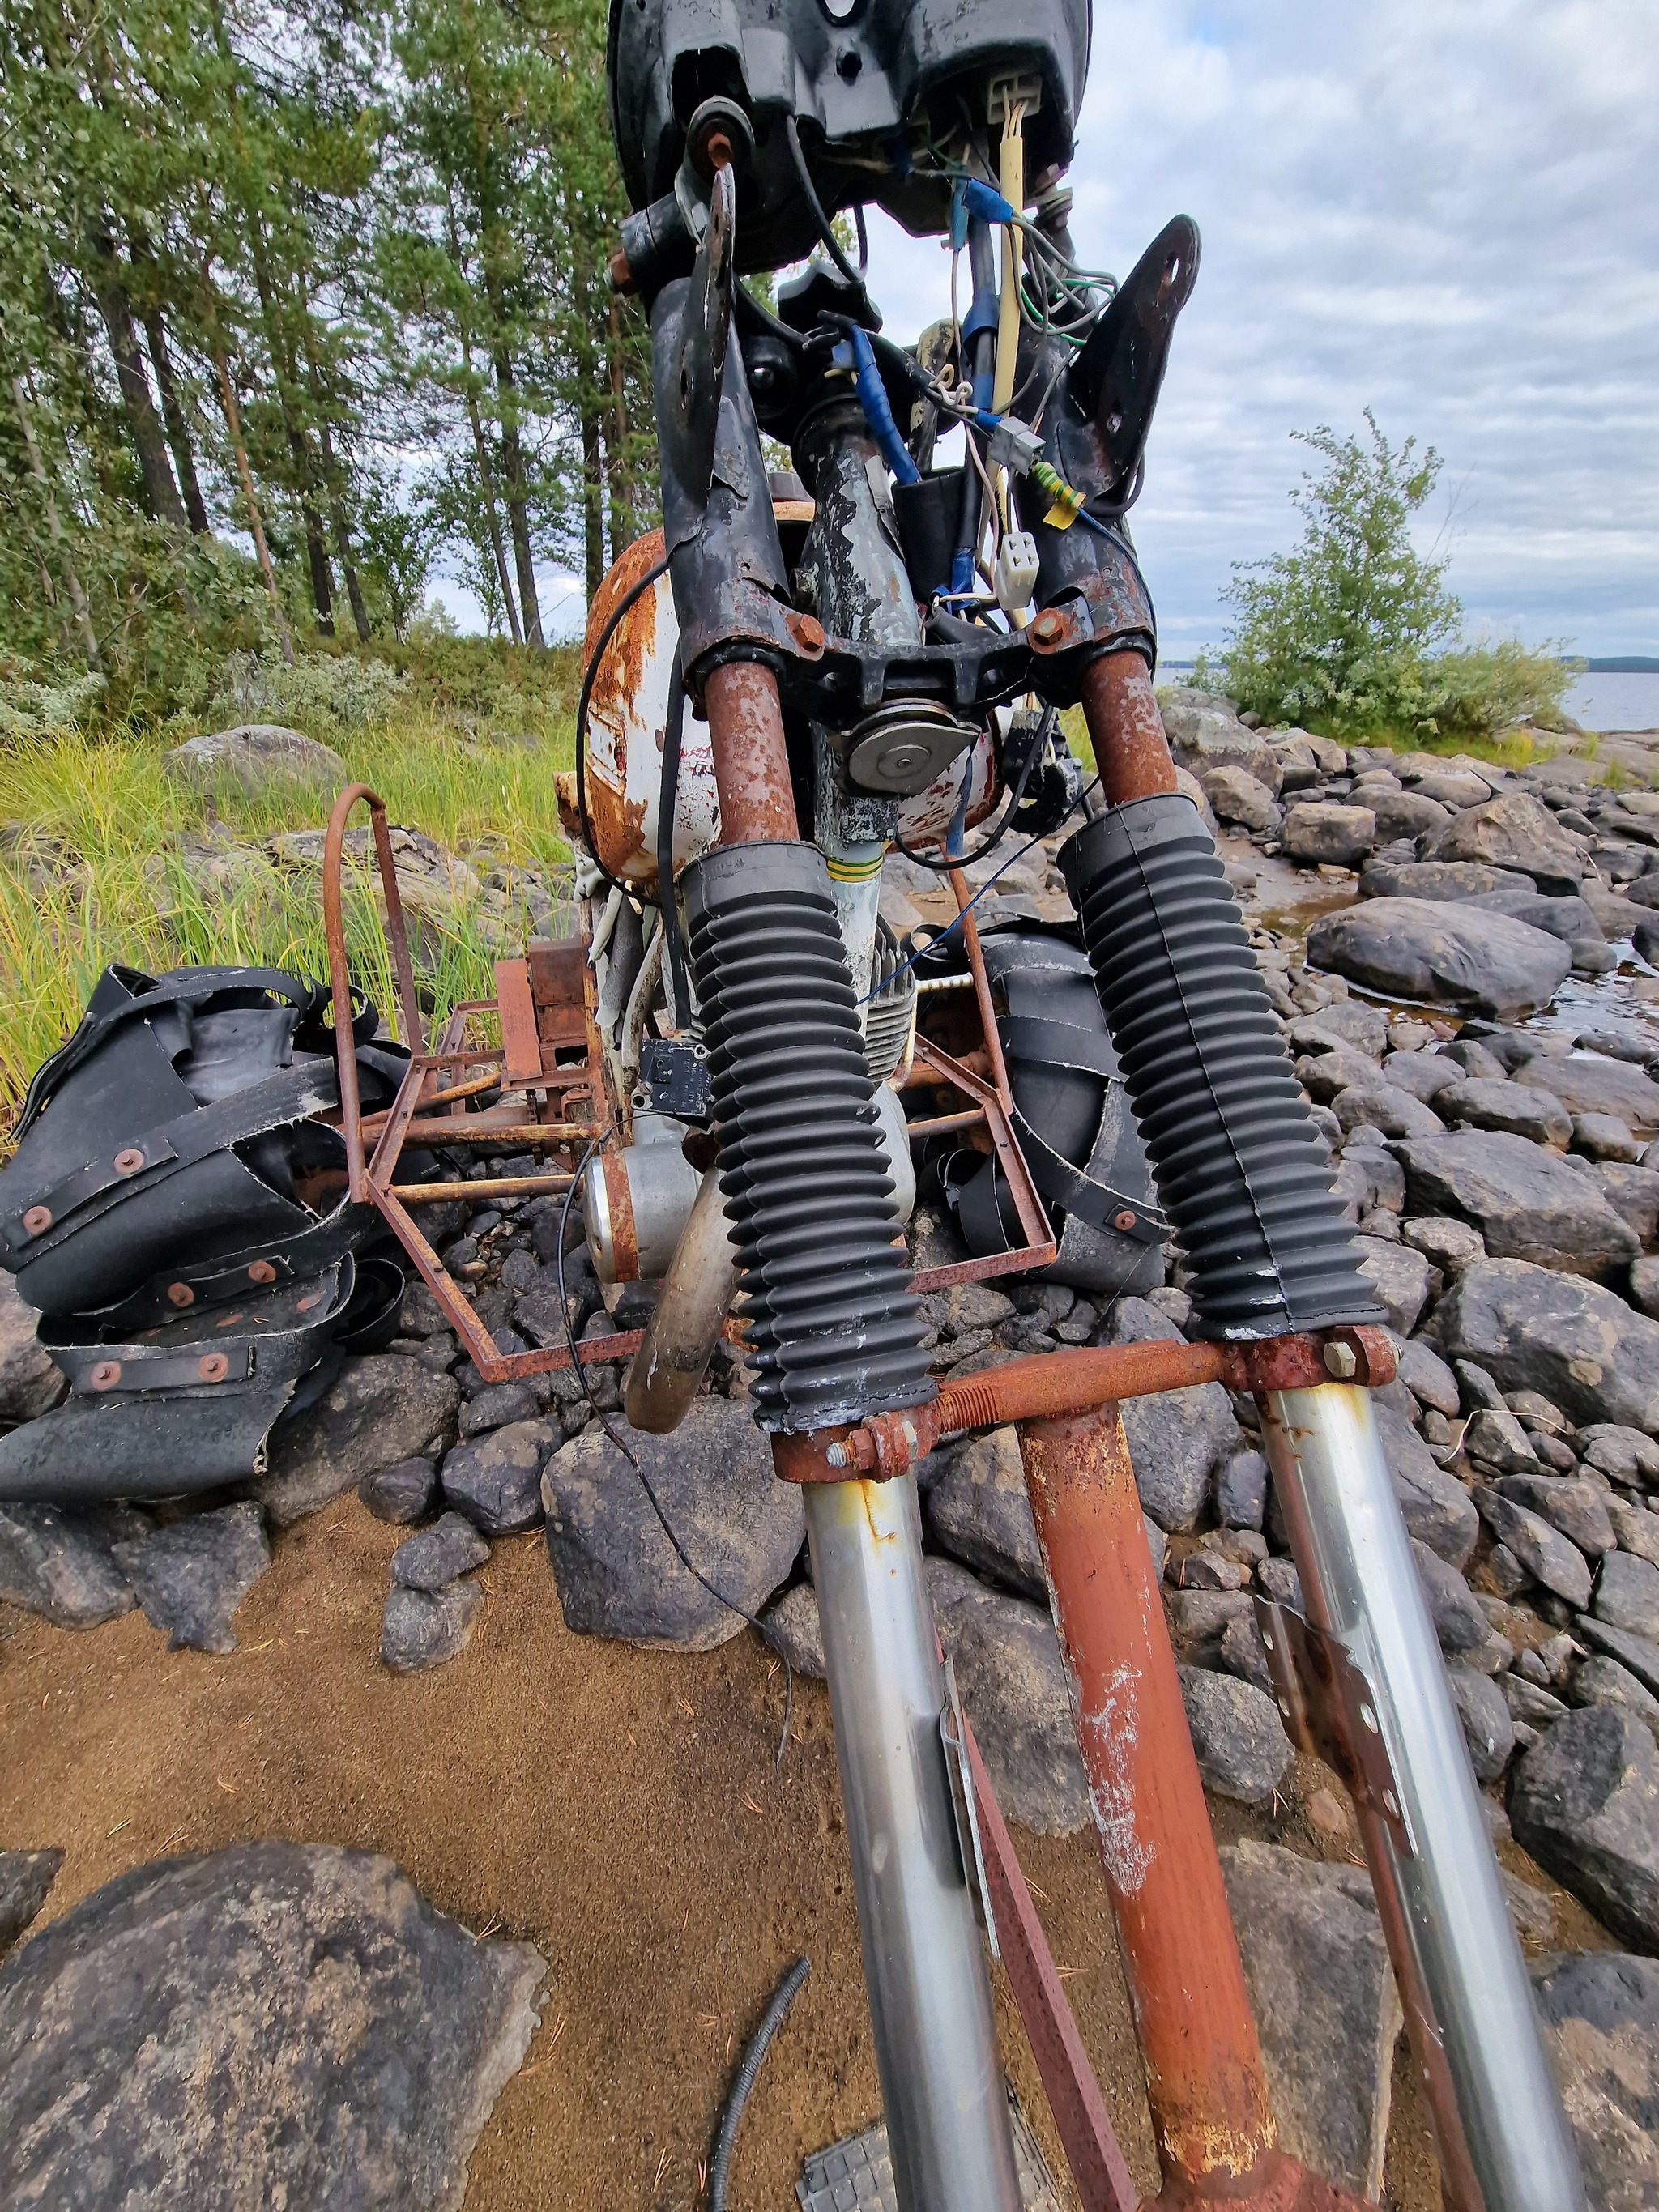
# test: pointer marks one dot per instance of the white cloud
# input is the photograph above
(1449, 213)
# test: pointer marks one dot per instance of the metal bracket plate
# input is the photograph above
(1329, 1709)
(952, 1729)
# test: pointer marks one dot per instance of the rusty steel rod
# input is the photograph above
(1126, 728)
(489, 1186)
(751, 761)
(1204, 2079)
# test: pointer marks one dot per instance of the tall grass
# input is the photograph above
(91, 867)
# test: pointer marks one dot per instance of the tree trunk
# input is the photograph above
(337, 516)
(624, 523)
(160, 493)
(592, 504)
(518, 512)
(178, 429)
(232, 423)
(54, 529)
(492, 519)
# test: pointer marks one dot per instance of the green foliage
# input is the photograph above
(1352, 632)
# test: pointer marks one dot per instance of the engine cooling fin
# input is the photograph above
(1242, 1169)
(835, 1333)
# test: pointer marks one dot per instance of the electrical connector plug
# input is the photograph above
(1015, 572)
(1014, 445)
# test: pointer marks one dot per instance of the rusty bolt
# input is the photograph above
(180, 1294)
(129, 1161)
(806, 630)
(620, 275)
(1048, 630)
(38, 1220)
(1125, 1221)
(262, 1271)
(1340, 1362)
(105, 1375)
(718, 149)
(213, 1367)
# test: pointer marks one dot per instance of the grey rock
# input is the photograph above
(1402, 1277)
(1622, 1452)
(1424, 1074)
(1497, 1440)
(1240, 1652)
(1605, 1137)
(62, 1566)
(192, 1574)
(495, 1479)
(25, 1879)
(1603, 1681)
(1013, 1682)
(1337, 1068)
(1530, 1701)
(1455, 787)
(1577, 1507)
(296, 2027)
(1633, 1193)
(1316, 1965)
(1349, 1022)
(423, 1628)
(1437, 1509)
(1441, 882)
(1235, 795)
(403, 1494)
(1378, 1105)
(1488, 1726)
(618, 1575)
(1635, 1529)
(1459, 1623)
(377, 1411)
(978, 1510)
(253, 753)
(1204, 733)
(1176, 1440)
(450, 1547)
(1638, 1654)
(1157, 1545)
(1495, 1102)
(1449, 1245)
(1585, 1085)
(1243, 1751)
(1199, 1622)
(1281, 1581)
(1426, 1375)
(1516, 832)
(793, 1629)
(30, 1384)
(1449, 954)
(1317, 830)
(1528, 1204)
(1566, 917)
(1585, 1802)
(1627, 1594)
(1535, 1328)
(495, 1406)
(1601, 2017)
(1479, 1389)
(1542, 1550)
(1240, 1490)
(1405, 814)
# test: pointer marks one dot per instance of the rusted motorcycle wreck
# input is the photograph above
(800, 671)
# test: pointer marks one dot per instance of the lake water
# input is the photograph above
(1615, 702)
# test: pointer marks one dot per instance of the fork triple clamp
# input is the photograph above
(854, 634)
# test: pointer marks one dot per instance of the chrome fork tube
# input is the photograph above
(924, 1967)
(1503, 2137)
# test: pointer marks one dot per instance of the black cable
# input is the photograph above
(725, 2136)
(815, 205)
(652, 576)
(604, 1418)
(971, 859)
(863, 238)
(667, 801)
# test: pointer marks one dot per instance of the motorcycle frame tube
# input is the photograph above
(929, 1987)
(1500, 2130)
(1205, 2082)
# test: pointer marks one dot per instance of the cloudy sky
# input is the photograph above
(1447, 212)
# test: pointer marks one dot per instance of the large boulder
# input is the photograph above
(1585, 1802)
(377, 1411)
(1204, 733)
(276, 2024)
(1527, 1203)
(1320, 830)
(977, 1510)
(61, 1564)
(1012, 1681)
(1455, 956)
(1534, 1329)
(617, 1571)
(1601, 2015)
(1515, 1109)
(192, 1574)
(1323, 1992)
(1515, 831)
(1586, 1083)
(1236, 796)
(252, 754)
(1446, 881)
